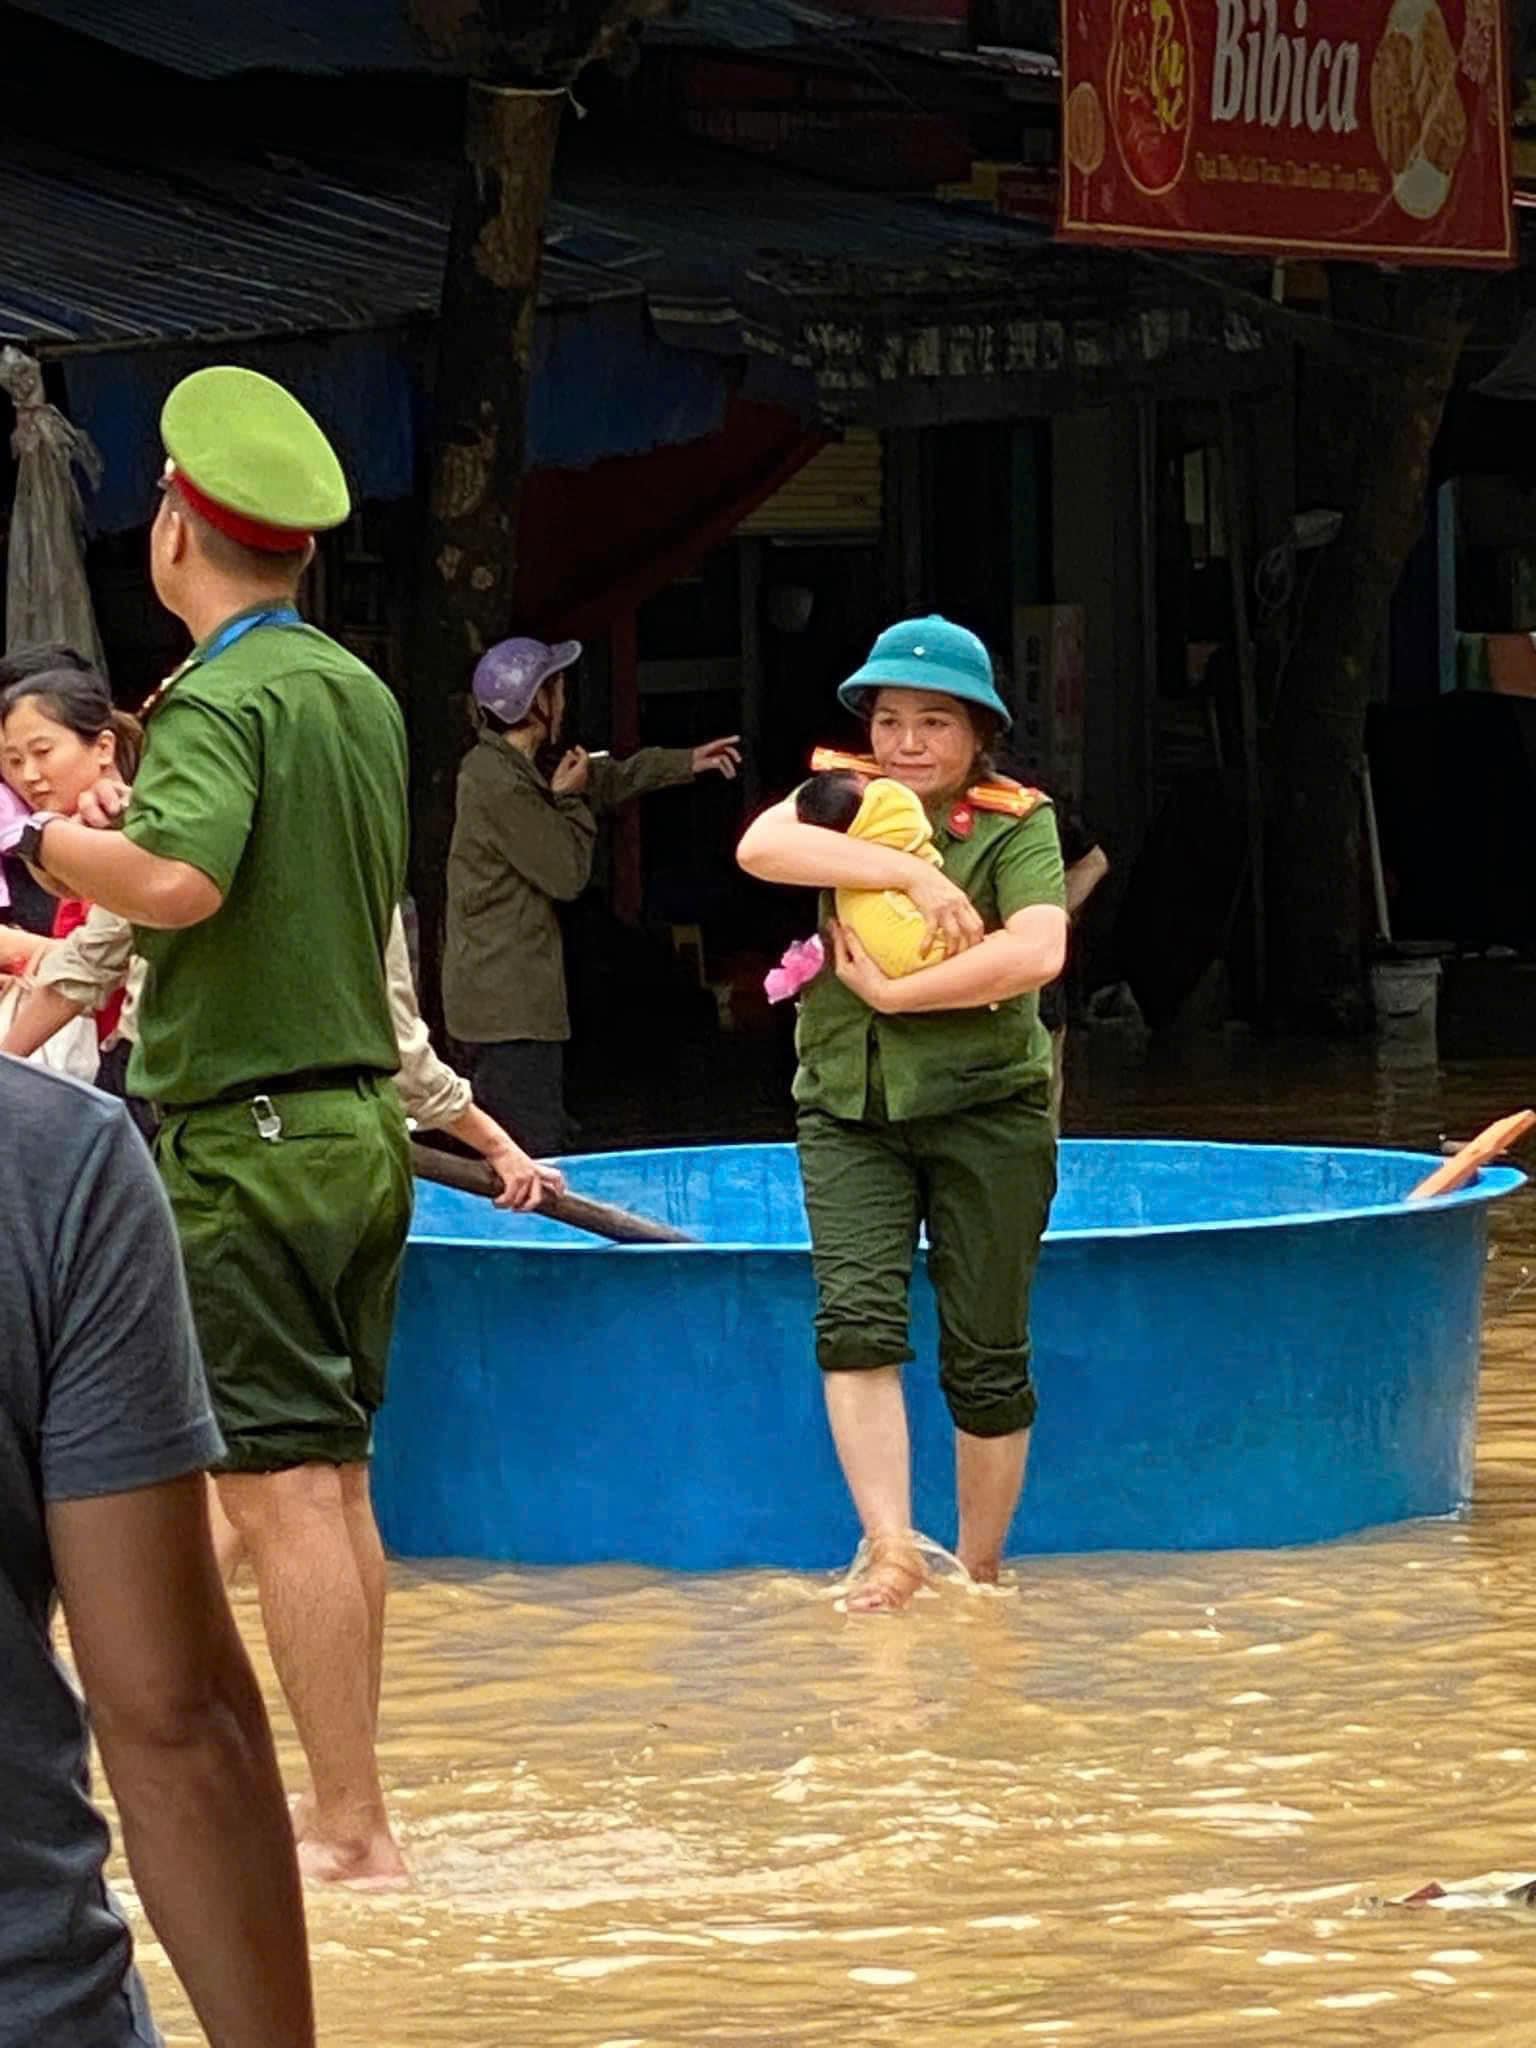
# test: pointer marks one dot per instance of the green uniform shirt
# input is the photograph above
(943, 1060)
(518, 850)
(277, 767)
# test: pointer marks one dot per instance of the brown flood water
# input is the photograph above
(1143, 1800)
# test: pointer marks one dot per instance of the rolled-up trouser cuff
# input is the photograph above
(862, 1349)
(998, 1418)
(281, 1450)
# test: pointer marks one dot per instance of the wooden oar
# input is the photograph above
(1465, 1165)
(601, 1219)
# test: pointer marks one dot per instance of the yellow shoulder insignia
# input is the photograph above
(828, 761)
(1008, 799)
(1002, 797)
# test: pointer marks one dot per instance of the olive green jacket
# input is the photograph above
(933, 1063)
(518, 851)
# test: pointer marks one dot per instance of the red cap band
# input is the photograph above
(251, 533)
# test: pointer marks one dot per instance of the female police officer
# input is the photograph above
(926, 1101)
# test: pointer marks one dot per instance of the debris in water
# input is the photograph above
(1496, 1890)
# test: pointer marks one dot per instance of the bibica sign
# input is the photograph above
(1376, 129)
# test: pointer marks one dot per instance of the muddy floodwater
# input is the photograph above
(1138, 1800)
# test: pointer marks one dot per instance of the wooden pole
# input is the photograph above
(1373, 843)
(749, 571)
(1146, 495)
(1248, 701)
(1463, 1167)
(628, 873)
(601, 1219)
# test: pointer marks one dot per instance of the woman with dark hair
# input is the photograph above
(924, 1101)
(60, 733)
(60, 736)
(22, 901)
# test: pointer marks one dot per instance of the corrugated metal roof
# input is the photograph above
(104, 253)
(755, 25)
(1006, 61)
(217, 39)
(727, 256)
(111, 254)
(108, 253)
(331, 38)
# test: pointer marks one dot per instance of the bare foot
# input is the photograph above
(985, 1572)
(301, 1811)
(891, 1579)
(375, 1866)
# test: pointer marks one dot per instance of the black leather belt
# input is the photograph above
(308, 1081)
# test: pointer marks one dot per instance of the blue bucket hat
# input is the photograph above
(510, 675)
(929, 654)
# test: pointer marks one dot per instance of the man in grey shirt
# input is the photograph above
(105, 1432)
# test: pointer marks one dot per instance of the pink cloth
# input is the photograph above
(800, 966)
(14, 813)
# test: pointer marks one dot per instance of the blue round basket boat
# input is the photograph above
(1235, 1346)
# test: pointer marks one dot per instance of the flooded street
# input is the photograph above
(1139, 1800)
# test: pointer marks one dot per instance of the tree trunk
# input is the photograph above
(484, 345)
(1376, 412)
(528, 42)
(485, 340)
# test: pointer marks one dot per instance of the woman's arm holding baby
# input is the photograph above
(777, 847)
(1027, 954)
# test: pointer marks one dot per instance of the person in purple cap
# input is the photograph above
(523, 844)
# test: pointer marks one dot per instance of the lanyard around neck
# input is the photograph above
(273, 615)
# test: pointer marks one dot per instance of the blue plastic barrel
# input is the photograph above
(1236, 1345)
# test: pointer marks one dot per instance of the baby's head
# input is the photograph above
(831, 799)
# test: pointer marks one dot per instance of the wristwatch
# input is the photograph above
(29, 846)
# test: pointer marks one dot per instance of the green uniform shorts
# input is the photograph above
(981, 1182)
(293, 1251)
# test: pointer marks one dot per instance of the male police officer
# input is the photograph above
(261, 862)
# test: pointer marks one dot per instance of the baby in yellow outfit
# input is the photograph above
(886, 922)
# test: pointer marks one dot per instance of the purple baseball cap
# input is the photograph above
(509, 675)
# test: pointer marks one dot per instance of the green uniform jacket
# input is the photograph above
(943, 1060)
(518, 850)
(277, 767)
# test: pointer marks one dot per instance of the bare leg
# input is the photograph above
(989, 1478)
(228, 1543)
(869, 1426)
(373, 1570)
(315, 1607)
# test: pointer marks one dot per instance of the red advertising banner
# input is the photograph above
(1374, 129)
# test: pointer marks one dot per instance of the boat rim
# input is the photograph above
(1493, 1184)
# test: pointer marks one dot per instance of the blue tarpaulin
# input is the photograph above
(603, 385)
(363, 386)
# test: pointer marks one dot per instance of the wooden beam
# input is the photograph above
(624, 668)
(1248, 702)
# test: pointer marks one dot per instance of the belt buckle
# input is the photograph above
(269, 1125)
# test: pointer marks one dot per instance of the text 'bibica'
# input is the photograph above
(1282, 77)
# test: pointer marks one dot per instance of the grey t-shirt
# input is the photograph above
(101, 1392)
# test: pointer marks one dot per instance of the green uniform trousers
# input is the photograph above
(293, 1246)
(980, 1181)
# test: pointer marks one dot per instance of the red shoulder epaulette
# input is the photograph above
(1007, 799)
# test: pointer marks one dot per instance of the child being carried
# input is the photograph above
(886, 922)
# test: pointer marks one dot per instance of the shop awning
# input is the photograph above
(671, 284)
(210, 39)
